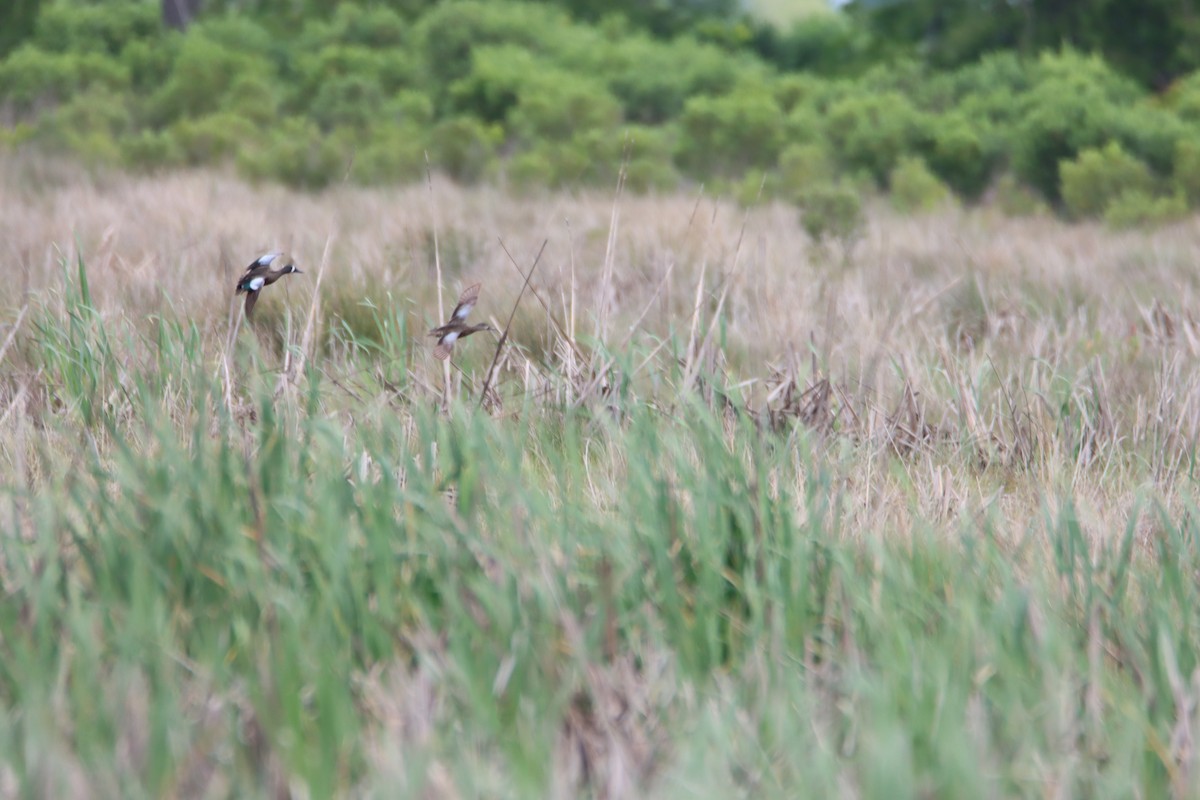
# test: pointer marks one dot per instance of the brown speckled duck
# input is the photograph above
(456, 327)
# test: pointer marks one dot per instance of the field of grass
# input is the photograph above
(739, 516)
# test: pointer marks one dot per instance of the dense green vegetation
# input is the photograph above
(528, 94)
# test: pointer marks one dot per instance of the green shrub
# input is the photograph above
(392, 153)
(1183, 98)
(213, 137)
(296, 153)
(391, 70)
(449, 34)
(254, 98)
(914, 188)
(872, 132)
(1016, 199)
(375, 26)
(831, 211)
(350, 100)
(1098, 176)
(653, 79)
(1071, 108)
(203, 74)
(795, 90)
(150, 150)
(756, 187)
(1186, 174)
(724, 136)
(828, 44)
(465, 148)
(492, 87)
(148, 60)
(961, 155)
(17, 135)
(1149, 133)
(557, 105)
(590, 159)
(107, 28)
(649, 165)
(32, 80)
(89, 126)
(802, 166)
(804, 124)
(1136, 208)
(408, 107)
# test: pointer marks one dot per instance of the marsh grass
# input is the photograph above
(736, 521)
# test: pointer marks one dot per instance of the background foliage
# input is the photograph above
(563, 93)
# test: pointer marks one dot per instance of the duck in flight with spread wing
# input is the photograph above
(264, 271)
(457, 328)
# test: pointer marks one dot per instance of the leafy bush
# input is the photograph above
(392, 153)
(1186, 176)
(296, 153)
(831, 211)
(649, 164)
(803, 90)
(723, 136)
(653, 80)
(107, 28)
(375, 26)
(1098, 176)
(465, 148)
(1150, 133)
(33, 80)
(591, 159)
(1016, 199)
(89, 126)
(914, 188)
(872, 132)
(350, 100)
(1183, 98)
(1071, 108)
(391, 70)
(1136, 207)
(558, 106)
(480, 81)
(149, 150)
(148, 60)
(961, 154)
(203, 74)
(450, 33)
(212, 138)
(802, 166)
(492, 87)
(829, 44)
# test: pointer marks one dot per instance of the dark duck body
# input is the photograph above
(264, 271)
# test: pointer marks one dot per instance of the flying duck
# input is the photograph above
(457, 328)
(264, 271)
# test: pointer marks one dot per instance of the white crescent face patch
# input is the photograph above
(256, 284)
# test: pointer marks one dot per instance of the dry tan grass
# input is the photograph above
(963, 360)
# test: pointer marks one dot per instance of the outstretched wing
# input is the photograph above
(260, 263)
(466, 302)
(251, 299)
(442, 351)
